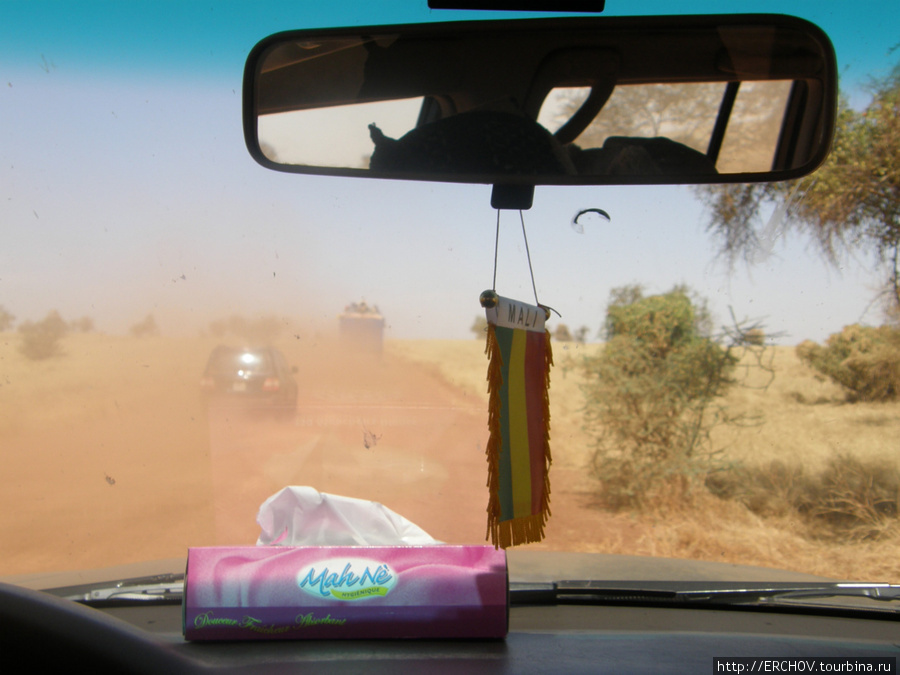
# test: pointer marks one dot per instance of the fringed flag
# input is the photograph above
(518, 450)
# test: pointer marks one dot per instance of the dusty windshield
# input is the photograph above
(725, 385)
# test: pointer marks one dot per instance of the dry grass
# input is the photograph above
(105, 443)
(95, 377)
(804, 419)
(127, 409)
(724, 531)
(464, 364)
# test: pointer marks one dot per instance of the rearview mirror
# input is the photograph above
(576, 101)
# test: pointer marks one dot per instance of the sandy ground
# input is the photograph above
(110, 456)
(130, 465)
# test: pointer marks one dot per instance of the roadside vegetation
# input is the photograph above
(849, 206)
(848, 499)
(41, 339)
(865, 361)
(658, 389)
(806, 487)
(651, 396)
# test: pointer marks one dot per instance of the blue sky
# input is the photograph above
(125, 189)
(217, 34)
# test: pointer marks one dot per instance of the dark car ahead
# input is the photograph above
(255, 377)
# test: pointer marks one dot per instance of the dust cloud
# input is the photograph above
(113, 456)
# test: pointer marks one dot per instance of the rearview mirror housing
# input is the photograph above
(569, 101)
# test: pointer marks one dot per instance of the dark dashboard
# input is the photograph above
(561, 639)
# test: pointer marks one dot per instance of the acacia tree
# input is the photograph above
(852, 202)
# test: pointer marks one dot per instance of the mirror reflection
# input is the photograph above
(721, 101)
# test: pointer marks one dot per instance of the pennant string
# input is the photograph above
(527, 255)
(496, 248)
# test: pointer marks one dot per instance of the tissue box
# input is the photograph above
(327, 592)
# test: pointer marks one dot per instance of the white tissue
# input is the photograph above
(303, 516)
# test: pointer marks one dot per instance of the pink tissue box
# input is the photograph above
(326, 592)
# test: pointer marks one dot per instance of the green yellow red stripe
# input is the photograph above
(504, 343)
(522, 460)
(520, 456)
(535, 376)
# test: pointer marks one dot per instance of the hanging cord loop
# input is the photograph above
(496, 248)
(527, 253)
(546, 308)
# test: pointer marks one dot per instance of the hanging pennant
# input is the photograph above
(518, 450)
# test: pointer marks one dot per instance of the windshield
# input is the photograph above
(725, 381)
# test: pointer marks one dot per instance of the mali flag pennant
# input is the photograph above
(518, 450)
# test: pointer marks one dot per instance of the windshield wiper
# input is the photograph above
(169, 588)
(160, 588)
(692, 593)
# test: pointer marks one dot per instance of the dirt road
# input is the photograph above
(111, 456)
(381, 429)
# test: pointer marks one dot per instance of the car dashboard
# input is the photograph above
(572, 635)
(561, 639)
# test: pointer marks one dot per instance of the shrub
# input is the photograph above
(146, 327)
(40, 340)
(650, 397)
(853, 499)
(755, 337)
(83, 325)
(849, 499)
(769, 490)
(562, 333)
(863, 360)
(479, 327)
(6, 320)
